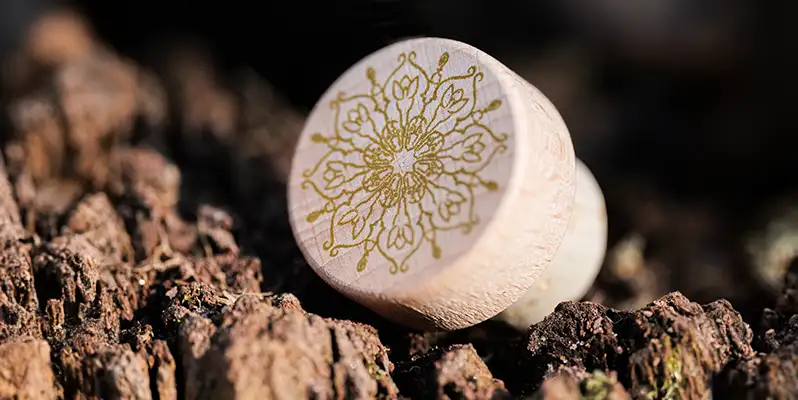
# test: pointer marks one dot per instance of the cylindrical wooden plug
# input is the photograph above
(432, 184)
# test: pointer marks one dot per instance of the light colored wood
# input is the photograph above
(432, 184)
(578, 261)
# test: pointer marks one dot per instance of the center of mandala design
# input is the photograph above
(403, 162)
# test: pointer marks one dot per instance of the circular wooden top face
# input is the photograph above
(402, 164)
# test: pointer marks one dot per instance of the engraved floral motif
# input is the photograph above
(403, 162)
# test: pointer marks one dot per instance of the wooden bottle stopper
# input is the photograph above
(577, 263)
(432, 184)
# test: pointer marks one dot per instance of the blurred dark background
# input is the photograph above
(691, 92)
(681, 108)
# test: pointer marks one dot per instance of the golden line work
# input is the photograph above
(403, 162)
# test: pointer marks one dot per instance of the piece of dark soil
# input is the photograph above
(454, 372)
(773, 372)
(672, 347)
(575, 383)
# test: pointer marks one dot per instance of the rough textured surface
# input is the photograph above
(269, 348)
(670, 347)
(25, 371)
(454, 372)
(145, 253)
(574, 383)
(773, 373)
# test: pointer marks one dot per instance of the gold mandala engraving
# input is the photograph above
(403, 162)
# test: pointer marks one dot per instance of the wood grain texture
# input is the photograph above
(577, 263)
(432, 184)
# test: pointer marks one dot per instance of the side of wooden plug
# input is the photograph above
(577, 263)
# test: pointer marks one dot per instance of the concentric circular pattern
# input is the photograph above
(431, 184)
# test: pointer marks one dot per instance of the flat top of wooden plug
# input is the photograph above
(404, 162)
